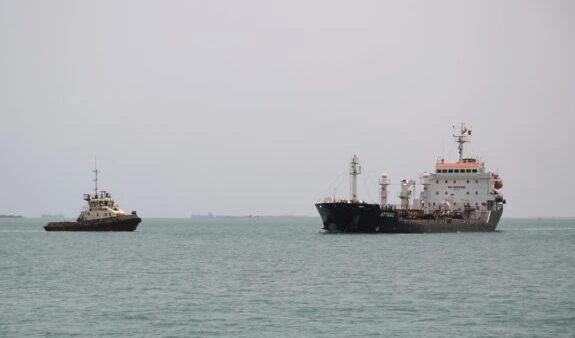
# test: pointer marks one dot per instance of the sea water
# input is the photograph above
(283, 277)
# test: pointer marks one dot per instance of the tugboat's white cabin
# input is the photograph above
(100, 206)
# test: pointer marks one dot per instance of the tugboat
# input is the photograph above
(101, 214)
(458, 197)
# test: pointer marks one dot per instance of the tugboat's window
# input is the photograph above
(474, 170)
(476, 193)
(468, 193)
(454, 181)
(437, 181)
(467, 181)
(450, 170)
(446, 192)
(467, 170)
(476, 181)
(445, 181)
(456, 170)
(437, 171)
(437, 192)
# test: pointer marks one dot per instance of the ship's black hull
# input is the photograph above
(122, 223)
(371, 218)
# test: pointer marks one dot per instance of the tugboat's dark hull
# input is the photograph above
(371, 218)
(122, 223)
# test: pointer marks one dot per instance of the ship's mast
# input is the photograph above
(462, 138)
(354, 170)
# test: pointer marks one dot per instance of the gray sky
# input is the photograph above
(256, 107)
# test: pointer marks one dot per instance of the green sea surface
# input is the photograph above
(283, 277)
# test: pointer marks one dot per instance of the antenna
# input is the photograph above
(95, 177)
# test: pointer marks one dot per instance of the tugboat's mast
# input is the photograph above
(464, 132)
(95, 178)
(354, 170)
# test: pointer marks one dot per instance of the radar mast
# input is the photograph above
(462, 137)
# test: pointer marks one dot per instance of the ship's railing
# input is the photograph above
(442, 221)
(475, 218)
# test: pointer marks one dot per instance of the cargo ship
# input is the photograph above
(101, 214)
(461, 196)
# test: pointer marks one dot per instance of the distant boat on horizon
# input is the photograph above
(11, 216)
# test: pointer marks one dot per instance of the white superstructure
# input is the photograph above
(460, 186)
(101, 205)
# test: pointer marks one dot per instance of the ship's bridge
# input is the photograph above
(466, 165)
